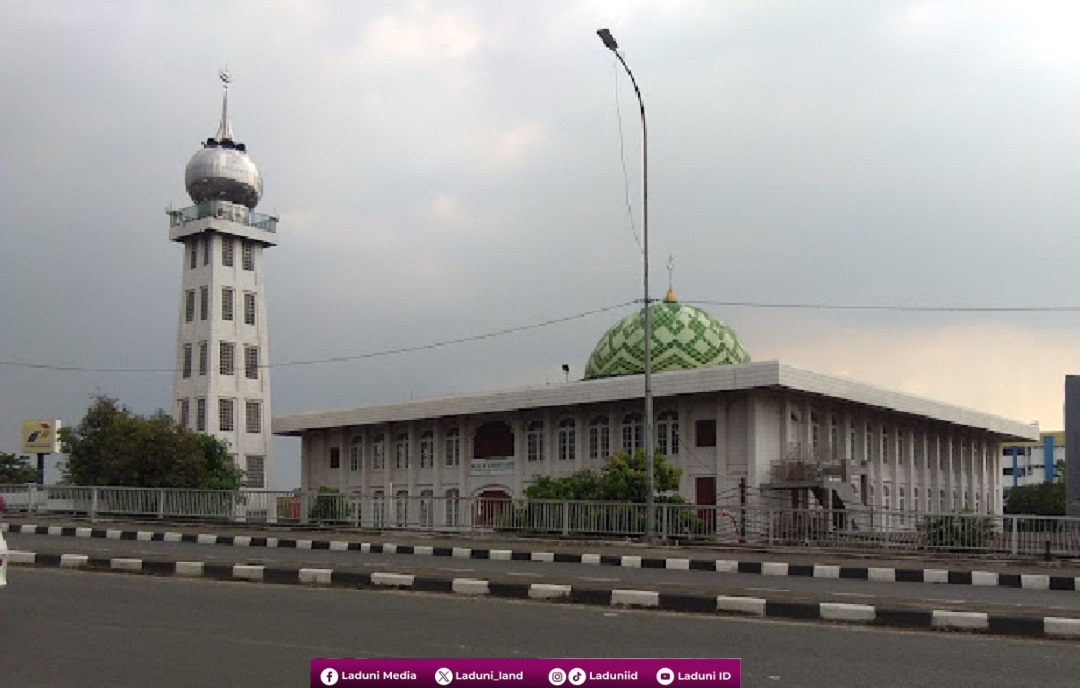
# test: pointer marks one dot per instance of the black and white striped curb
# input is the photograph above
(982, 622)
(876, 574)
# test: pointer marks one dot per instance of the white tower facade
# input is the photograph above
(221, 386)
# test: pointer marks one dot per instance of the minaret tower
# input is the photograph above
(221, 385)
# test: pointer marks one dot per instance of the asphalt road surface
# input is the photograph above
(67, 629)
(979, 598)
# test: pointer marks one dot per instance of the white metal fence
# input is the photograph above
(751, 525)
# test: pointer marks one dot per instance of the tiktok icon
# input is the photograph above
(329, 676)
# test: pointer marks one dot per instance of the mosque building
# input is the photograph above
(719, 417)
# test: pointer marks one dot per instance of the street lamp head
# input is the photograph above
(608, 39)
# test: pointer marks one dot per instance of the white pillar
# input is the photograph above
(523, 470)
(876, 433)
(910, 466)
(952, 491)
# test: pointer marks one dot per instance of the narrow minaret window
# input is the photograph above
(254, 417)
(228, 358)
(225, 187)
(249, 308)
(251, 362)
(226, 417)
(227, 303)
(227, 251)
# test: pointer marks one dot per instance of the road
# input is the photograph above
(979, 598)
(67, 629)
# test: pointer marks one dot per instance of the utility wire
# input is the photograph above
(337, 359)
(450, 342)
(578, 316)
(907, 309)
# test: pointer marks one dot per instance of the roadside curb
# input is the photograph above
(870, 573)
(755, 607)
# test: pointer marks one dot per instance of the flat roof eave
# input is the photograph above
(730, 378)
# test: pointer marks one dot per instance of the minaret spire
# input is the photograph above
(225, 132)
(670, 298)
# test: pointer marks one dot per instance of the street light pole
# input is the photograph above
(650, 516)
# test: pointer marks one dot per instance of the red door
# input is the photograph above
(490, 504)
(705, 495)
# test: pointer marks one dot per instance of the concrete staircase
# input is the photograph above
(848, 510)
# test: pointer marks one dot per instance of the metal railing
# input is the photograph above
(225, 211)
(750, 525)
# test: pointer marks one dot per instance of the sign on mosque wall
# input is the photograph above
(491, 467)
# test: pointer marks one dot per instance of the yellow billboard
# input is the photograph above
(41, 436)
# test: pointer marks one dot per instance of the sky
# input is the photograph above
(449, 169)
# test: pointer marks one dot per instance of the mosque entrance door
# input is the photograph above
(490, 505)
(705, 495)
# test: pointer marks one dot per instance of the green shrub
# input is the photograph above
(958, 532)
(331, 505)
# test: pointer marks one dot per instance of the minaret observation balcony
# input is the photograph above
(225, 218)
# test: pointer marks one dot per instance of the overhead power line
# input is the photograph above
(338, 359)
(578, 316)
(908, 309)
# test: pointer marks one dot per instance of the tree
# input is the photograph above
(623, 479)
(1059, 471)
(16, 470)
(1044, 499)
(112, 446)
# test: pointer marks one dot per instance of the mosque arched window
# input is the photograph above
(378, 452)
(452, 507)
(631, 432)
(427, 508)
(535, 440)
(453, 447)
(427, 449)
(599, 438)
(667, 433)
(567, 439)
(356, 452)
(401, 451)
(378, 508)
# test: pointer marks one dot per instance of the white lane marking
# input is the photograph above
(597, 579)
(769, 589)
(524, 574)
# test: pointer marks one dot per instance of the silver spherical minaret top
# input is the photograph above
(222, 170)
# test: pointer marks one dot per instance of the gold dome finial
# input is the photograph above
(670, 298)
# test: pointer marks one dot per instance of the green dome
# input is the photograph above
(683, 337)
